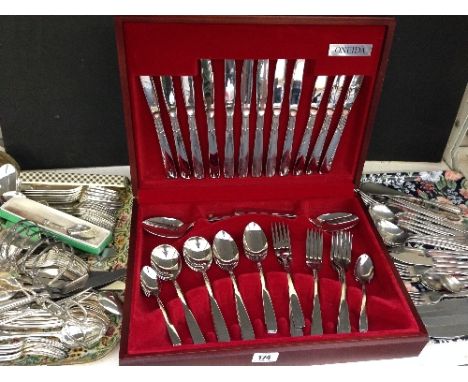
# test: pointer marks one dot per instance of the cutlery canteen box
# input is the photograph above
(156, 46)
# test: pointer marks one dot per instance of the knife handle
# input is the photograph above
(258, 147)
(244, 148)
(314, 161)
(168, 160)
(197, 160)
(229, 148)
(287, 147)
(304, 147)
(182, 159)
(272, 147)
(333, 146)
(214, 168)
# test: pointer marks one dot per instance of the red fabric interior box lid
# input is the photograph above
(174, 46)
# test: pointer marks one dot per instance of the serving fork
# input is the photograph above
(341, 245)
(314, 250)
(282, 247)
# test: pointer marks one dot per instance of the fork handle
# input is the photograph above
(316, 327)
(295, 310)
(344, 325)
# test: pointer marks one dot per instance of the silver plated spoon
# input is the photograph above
(364, 272)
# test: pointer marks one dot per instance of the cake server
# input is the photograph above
(230, 102)
(262, 96)
(208, 99)
(319, 89)
(152, 99)
(294, 98)
(189, 99)
(314, 160)
(277, 101)
(351, 95)
(246, 96)
(169, 99)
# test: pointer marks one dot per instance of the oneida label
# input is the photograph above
(350, 50)
(265, 357)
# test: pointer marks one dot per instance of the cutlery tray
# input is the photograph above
(158, 46)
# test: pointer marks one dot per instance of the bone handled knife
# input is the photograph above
(261, 98)
(246, 97)
(351, 95)
(314, 160)
(319, 89)
(294, 98)
(169, 99)
(277, 101)
(152, 99)
(188, 92)
(229, 101)
(208, 99)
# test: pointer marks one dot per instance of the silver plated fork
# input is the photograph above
(341, 257)
(282, 246)
(314, 249)
(433, 297)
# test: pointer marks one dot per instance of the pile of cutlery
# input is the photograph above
(319, 159)
(199, 254)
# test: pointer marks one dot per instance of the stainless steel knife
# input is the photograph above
(277, 101)
(294, 98)
(189, 98)
(351, 95)
(169, 98)
(152, 99)
(208, 99)
(314, 160)
(246, 96)
(229, 101)
(319, 89)
(261, 96)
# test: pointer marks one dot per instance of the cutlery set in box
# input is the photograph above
(243, 134)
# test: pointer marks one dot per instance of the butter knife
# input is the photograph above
(277, 101)
(246, 96)
(262, 96)
(169, 98)
(314, 160)
(294, 98)
(189, 98)
(208, 99)
(152, 99)
(351, 95)
(319, 89)
(230, 101)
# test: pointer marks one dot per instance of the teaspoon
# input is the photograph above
(226, 256)
(167, 263)
(199, 256)
(364, 272)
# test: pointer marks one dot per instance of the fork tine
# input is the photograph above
(273, 234)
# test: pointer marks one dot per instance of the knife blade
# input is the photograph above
(314, 160)
(246, 97)
(229, 101)
(188, 92)
(353, 92)
(149, 90)
(294, 98)
(319, 90)
(208, 99)
(262, 96)
(169, 99)
(277, 101)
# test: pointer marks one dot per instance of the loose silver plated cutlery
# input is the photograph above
(152, 99)
(261, 96)
(277, 101)
(230, 101)
(246, 97)
(169, 99)
(294, 98)
(314, 161)
(188, 92)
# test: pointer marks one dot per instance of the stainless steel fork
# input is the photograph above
(341, 257)
(282, 246)
(314, 249)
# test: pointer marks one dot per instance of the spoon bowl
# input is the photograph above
(392, 235)
(166, 261)
(381, 211)
(197, 253)
(255, 242)
(335, 221)
(225, 251)
(167, 227)
(451, 283)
